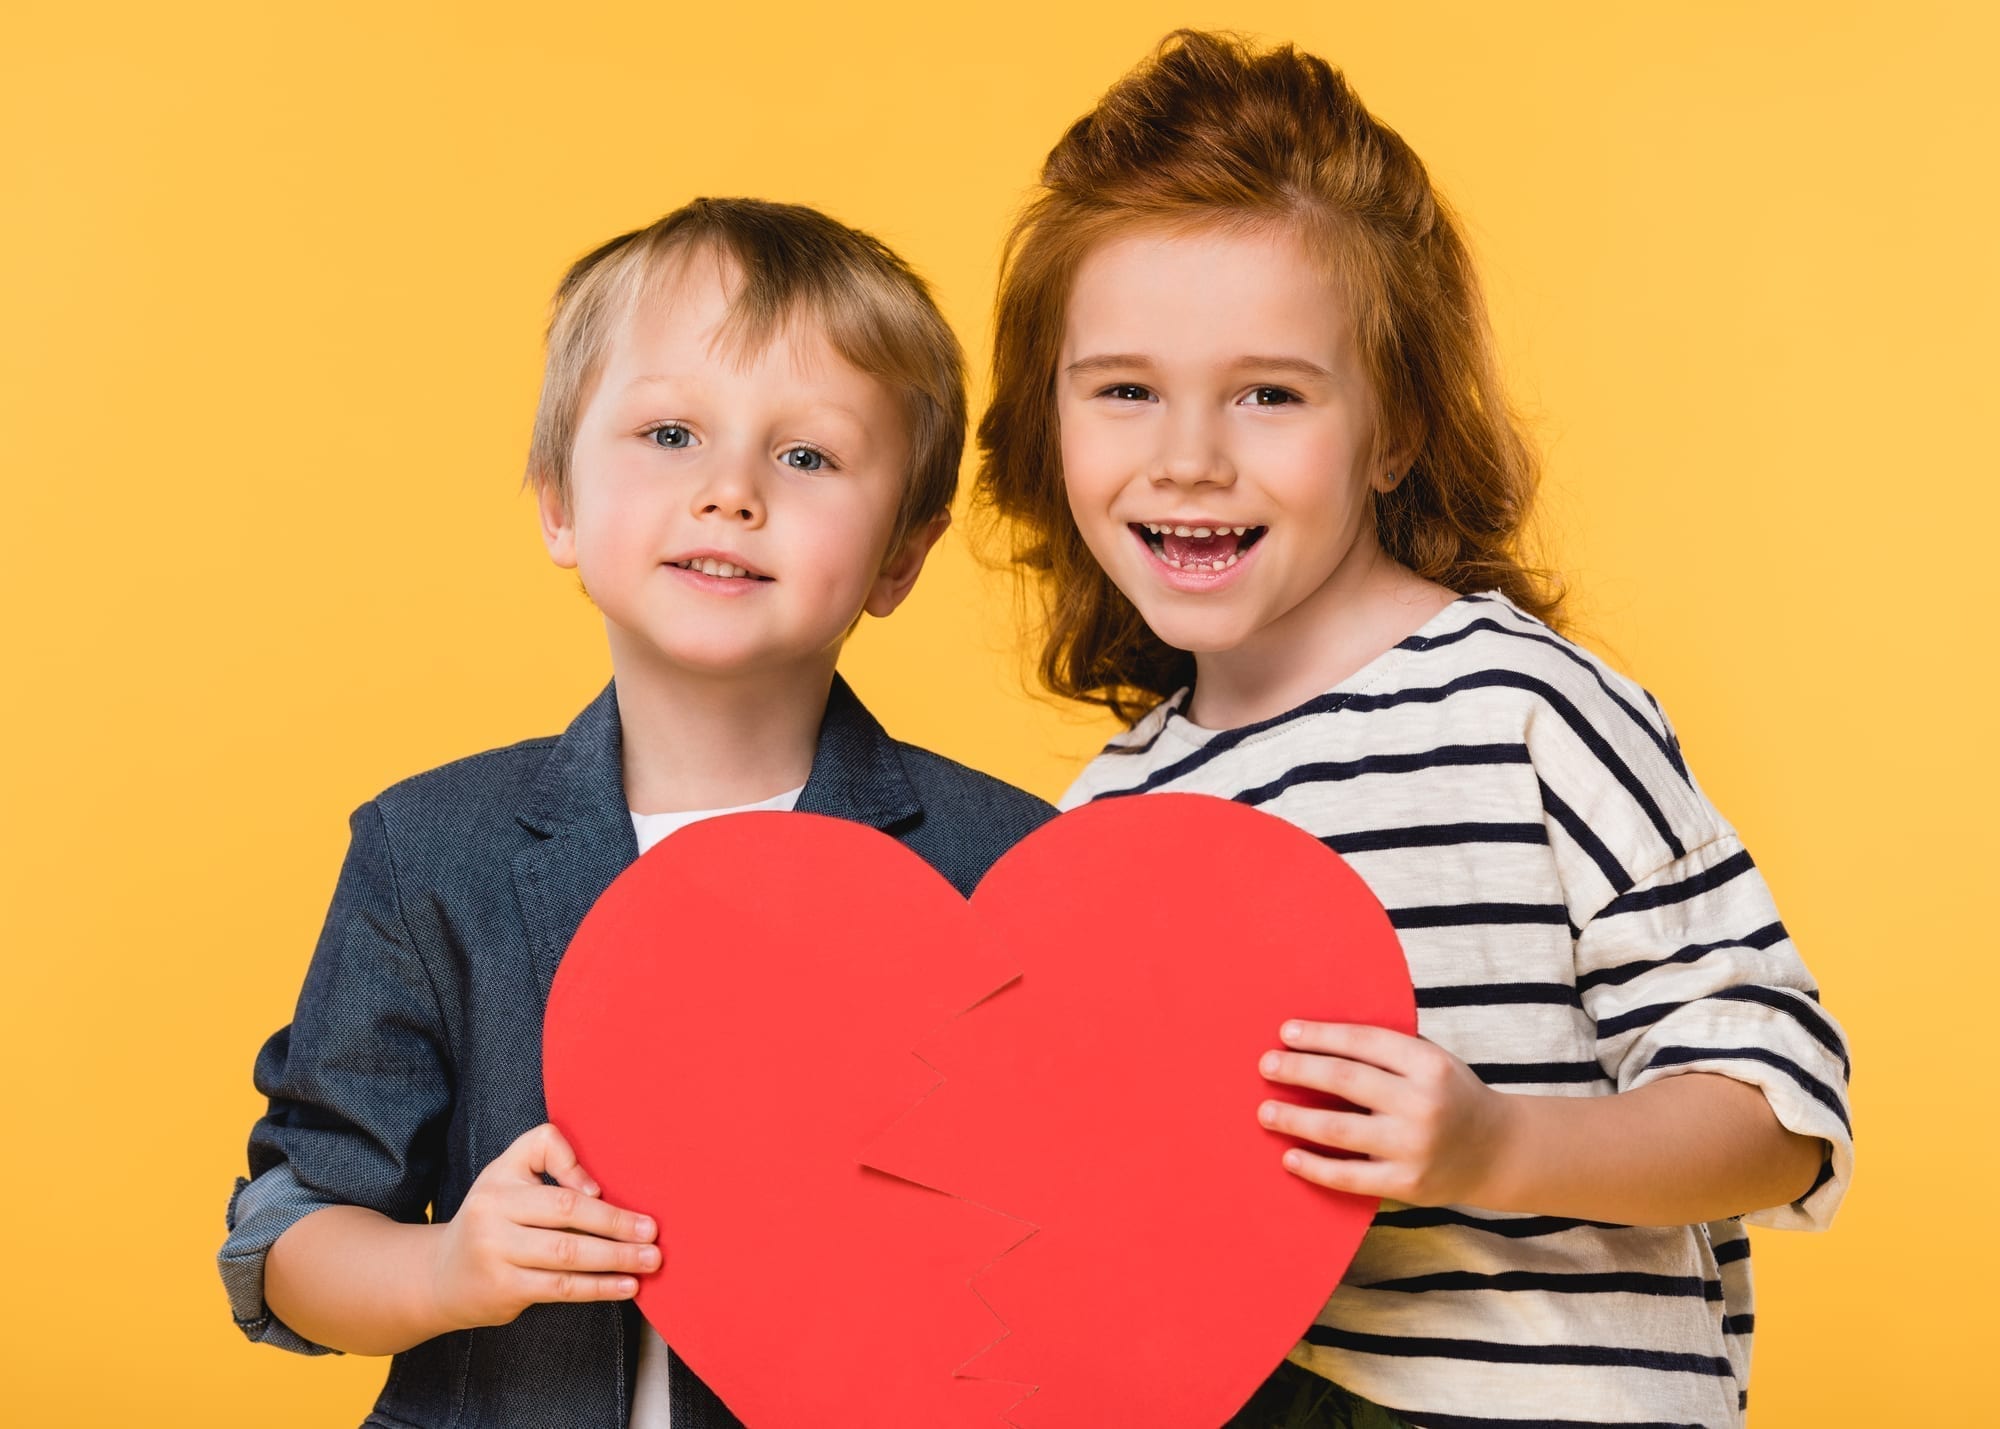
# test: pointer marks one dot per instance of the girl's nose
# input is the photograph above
(1192, 454)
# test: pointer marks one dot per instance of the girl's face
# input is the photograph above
(1217, 434)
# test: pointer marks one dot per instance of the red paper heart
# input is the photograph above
(729, 1047)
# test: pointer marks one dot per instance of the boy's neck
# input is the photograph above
(694, 741)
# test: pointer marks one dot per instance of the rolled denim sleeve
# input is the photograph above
(359, 1085)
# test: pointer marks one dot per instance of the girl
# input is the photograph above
(1248, 425)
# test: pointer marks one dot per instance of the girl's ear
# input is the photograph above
(1392, 464)
(900, 571)
(558, 525)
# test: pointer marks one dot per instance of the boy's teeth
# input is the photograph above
(714, 568)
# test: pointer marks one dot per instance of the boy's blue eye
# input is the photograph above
(672, 436)
(804, 459)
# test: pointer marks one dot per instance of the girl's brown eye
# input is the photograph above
(1272, 397)
(1128, 392)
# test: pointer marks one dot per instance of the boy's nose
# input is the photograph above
(729, 492)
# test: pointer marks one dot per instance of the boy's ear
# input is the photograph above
(558, 526)
(905, 564)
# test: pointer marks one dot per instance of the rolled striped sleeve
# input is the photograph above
(1691, 970)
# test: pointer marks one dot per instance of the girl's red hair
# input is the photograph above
(1210, 131)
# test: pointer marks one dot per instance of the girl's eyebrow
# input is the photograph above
(1126, 361)
(1085, 365)
(1299, 365)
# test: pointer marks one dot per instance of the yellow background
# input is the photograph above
(273, 283)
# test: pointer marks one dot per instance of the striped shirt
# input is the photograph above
(1579, 920)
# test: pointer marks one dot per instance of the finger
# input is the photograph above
(566, 1208)
(1378, 1046)
(1346, 1130)
(1360, 1178)
(1358, 1082)
(592, 1255)
(546, 1286)
(550, 1154)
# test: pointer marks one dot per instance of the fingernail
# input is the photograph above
(591, 1188)
(1293, 1160)
(627, 1285)
(1267, 1113)
(650, 1258)
(1292, 1031)
(645, 1228)
(1268, 1064)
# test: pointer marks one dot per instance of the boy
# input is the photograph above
(749, 434)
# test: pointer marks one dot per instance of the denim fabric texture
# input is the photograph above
(414, 1056)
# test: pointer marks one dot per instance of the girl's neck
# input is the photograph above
(698, 741)
(1368, 605)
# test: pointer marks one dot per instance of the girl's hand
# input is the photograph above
(1432, 1133)
(517, 1242)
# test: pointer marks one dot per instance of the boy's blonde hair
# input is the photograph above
(794, 262)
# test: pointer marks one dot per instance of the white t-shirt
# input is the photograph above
(651, 1408)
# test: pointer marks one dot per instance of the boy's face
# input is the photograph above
(730, 512)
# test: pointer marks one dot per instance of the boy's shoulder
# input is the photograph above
(940, 780)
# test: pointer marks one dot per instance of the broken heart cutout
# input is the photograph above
(925, 1162)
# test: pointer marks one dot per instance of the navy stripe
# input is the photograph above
(1706, 881)
(1581, 835)
(1730, 1251)
(1496, 1352)
(1581, 727)
(1637, 1017)
(1435, 836)
(1431, 1419)
(1446, 756)
(1468, 915)
(1819, 1091)
(1824, 1175)
(1799, 1011)
(1496, 994)
(1579, 1283)
(1767, 936)
(1739, 1324)
(1517, 1073)
(1542, 635)
(1418, 1218)
(1227, 740)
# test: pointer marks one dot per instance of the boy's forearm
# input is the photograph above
(352, 1279)
(1691, 1148)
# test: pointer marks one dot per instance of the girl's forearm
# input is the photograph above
(1695, 1147)
(352, 1279)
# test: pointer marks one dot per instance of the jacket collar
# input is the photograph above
(856, 772)
(577, 808)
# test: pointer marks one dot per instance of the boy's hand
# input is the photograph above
(517, 1242)
(1431, 1131)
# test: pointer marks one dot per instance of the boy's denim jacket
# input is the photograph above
(414, 1057)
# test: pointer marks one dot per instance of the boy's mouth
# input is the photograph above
(1197, 548)
(721, 569)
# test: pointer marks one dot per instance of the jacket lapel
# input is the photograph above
(584, 833)
(584, 836)
(856, 772)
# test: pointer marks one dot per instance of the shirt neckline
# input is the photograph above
(1177, 726)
